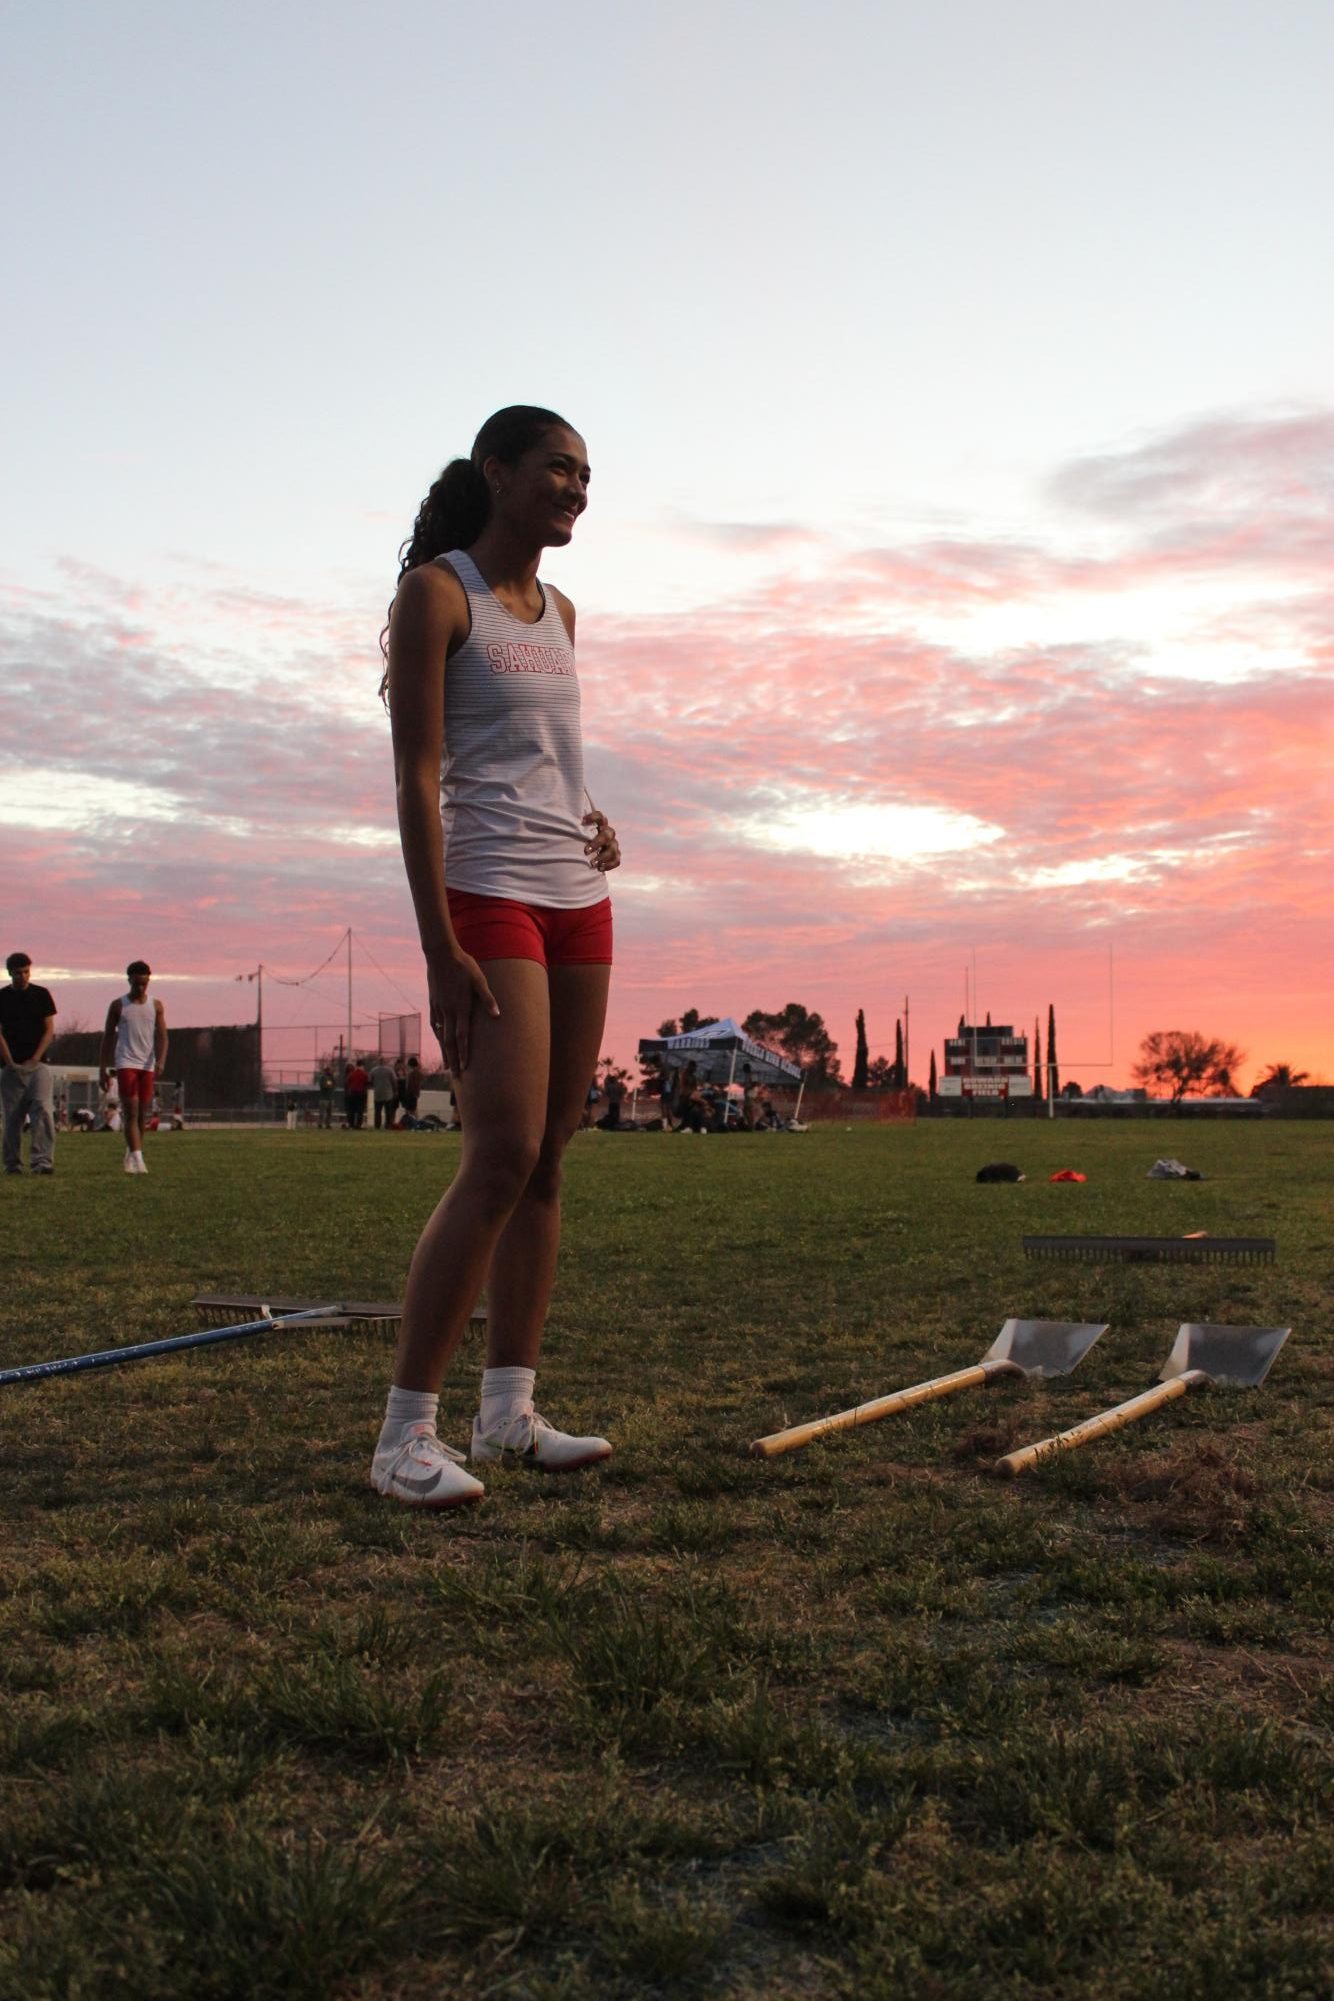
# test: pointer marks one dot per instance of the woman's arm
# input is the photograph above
(601, 847)
(429, 618)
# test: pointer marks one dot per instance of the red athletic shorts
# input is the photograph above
(136, 1084)
(496, 927)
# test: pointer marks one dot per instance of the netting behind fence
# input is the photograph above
(855, 1107)
(294, 1053)
(400, 1035)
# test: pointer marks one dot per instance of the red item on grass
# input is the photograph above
(1067, 1174)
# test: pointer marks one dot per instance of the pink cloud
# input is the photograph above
(1189, 821)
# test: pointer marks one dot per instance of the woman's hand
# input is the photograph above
(603, 849)
(454, 982)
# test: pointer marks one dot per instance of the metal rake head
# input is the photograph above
(220, 1309)
(1152, 1250)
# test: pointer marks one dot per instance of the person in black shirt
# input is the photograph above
(27, 1024)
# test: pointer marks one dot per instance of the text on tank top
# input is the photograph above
(512, 769)
(136, 1036)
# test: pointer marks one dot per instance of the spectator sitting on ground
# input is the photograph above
(690, 1109)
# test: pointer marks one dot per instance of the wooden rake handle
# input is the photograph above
(868, 1413)
(1098, 1427)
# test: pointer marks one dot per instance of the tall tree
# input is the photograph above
(651, 1065)
(802, 1037)
(931, 1080)
(1182, 1059)
(1037, 1061)
(900, 1067)
(689, 1022)
(1053, 1068)
(863, 1056)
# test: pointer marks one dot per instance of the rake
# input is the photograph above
(111, 1358)
(1202, 1353)
(1022, 1348)
(218, 1309)
(215, 1308)
(1153, 1250)
(266, 1316)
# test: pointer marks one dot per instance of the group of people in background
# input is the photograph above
(134, 1050)
(392, 1089)
(686, 1105)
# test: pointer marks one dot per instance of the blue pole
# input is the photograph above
(110, 1358)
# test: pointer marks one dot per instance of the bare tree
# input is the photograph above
(1181, 1059)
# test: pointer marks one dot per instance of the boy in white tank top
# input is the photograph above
(134, 1045)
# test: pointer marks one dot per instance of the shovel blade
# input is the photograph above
(1239, 1355)
(1045, 1347)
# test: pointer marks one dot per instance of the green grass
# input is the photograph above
(856, 1721)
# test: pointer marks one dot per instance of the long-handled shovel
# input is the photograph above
(1022, 1348)
(1202, 1353)
(111, 1358)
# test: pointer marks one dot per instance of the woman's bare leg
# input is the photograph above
(523, 1266)
(503, 1097)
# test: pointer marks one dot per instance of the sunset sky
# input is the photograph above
(957, 585)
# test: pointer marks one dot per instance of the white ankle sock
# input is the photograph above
(406, 1407)
(506, 1394)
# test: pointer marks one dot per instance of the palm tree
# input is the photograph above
(1279, 1077)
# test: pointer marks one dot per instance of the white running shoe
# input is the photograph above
(130, 1167)
(529, 1440)
(423, 1473)
(140, 1164)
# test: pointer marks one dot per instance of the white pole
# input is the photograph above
(801, 1090)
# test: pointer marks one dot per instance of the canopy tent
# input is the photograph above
(720, 1052)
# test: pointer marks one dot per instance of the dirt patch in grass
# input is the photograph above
(1192, 1488)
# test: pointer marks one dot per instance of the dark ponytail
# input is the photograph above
(458, 506)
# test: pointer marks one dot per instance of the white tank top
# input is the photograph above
(512, 773)
(136, 1036)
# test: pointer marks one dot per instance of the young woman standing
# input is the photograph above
(506, 871)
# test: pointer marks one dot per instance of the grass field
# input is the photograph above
(859, 1721)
